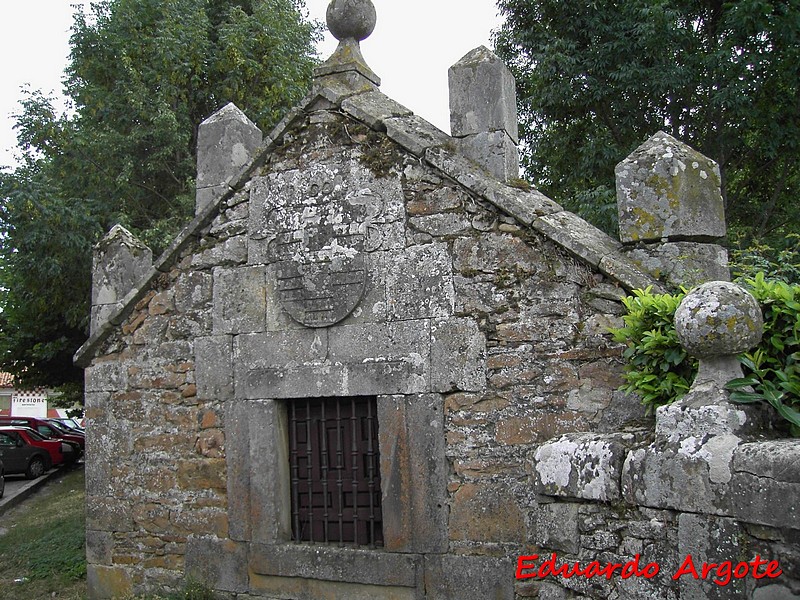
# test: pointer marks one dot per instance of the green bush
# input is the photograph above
(659, 370)
(657, 367)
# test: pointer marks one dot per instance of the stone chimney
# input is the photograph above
(226, 142)
(483, 112)
(119, 262)
(671, 212)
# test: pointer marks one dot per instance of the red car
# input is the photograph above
(55, 448)
(18, 456)
(46, 429)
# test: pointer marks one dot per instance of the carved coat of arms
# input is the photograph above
(316, 233)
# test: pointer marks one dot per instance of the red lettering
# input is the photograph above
(593, 569)
(651, 570)
(569, 573)
(686, 567)
(631, 568)
(525, 563)
(773, 564)
(609, 569)
(723, 573)
(736, 572)
(549, 567)
(707, 568)
(758, 562)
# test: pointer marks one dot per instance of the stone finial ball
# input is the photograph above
(717, 319)
(351, 19)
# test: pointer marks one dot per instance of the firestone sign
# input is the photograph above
(31, 404)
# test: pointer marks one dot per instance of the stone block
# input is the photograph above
(372, 108)
(686, 264)
(708, 539)
(213, 367)
(107, 583)
(240, 299)
(420, 283)
(458, 356)
(415, 134)
(226, 142)
(413, 473)
(585, 465)
(494, 151)
(270, 505)
(484, 512)
(350, 565)
(104, 513)
(469, 577)
(557, 527)
(237, 464)
(669, 191)
(193, 291)
(280, 349)
(577, 236)
(219, 564)
(99, 546)
(483, 95)
(493, 252)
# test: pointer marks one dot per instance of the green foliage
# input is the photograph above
(596, 79)
(657, 367)
(772, 370)
(782, 262)
(45, 543)
(660, 372)
(142, 75)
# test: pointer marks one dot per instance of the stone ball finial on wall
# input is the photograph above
(719, 318)
(715, 322)
(351, 19)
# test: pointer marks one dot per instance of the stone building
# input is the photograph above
(376, 366)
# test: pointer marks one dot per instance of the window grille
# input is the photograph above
(335, 471)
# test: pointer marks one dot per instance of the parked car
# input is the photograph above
(18, 456)
(72, 424)
(29, 436)
(2, 479)
(46, 429)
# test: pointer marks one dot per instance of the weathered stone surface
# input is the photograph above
(414, 133)
(420, 285)
(665, 189)
(587, 466)
(686, 264)
(413, 473)
(711, 540)
(240, 300)
(494, 151)
(557, 527)
(352, 565)
(373, 108)
(226, 142)
(577, 236)
(217, 563)
(458, 356)
(469, 577)
(108, 582)
(718, 318)
(483, 95)
(120, 262)
(237, 463)
(480, 512)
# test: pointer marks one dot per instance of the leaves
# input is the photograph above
(142, 75)
(596, 79)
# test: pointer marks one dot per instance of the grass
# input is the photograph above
(42, 549)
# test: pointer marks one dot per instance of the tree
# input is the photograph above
(596, 79)
(142, 75)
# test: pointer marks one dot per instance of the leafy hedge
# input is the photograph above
(659, 370)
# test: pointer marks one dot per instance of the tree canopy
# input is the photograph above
(596, 79)
(142, 75)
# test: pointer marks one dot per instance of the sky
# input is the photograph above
(413, 45)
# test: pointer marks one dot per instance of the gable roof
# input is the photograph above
(368, 105)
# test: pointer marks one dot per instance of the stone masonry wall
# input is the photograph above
(510, 332)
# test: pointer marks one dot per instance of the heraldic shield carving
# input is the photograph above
(316, 233)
